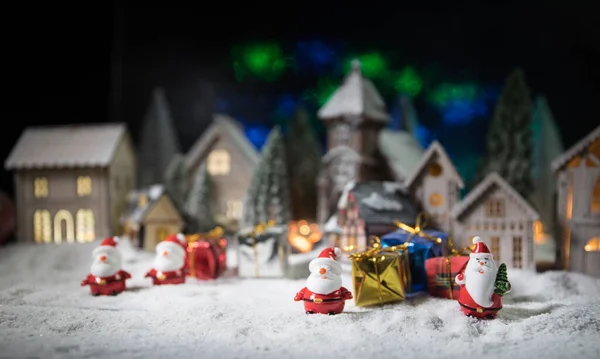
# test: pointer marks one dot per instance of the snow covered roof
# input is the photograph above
(402, 151)
(491, 180)
(222, 126)
(357, 96)
(137, 212)
(381, 202)
(339, 151)
(576, 149)
(84, 145)
(435, 149)
(331, 226)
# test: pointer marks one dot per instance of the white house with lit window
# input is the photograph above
(71, 181)
(505, 221)
(230, 159)
(578, 207)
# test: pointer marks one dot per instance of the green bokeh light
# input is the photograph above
(265, 61)
(372, 64)
(408, 82)
(447, 92)
(324, 90)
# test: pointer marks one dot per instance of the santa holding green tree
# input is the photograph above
(482, 285)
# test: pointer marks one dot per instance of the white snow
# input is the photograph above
(343, 201)
(402, 151)
(378, 203)
(392, 187)
(45, 314)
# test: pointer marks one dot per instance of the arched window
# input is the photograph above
(42, 226)
(86, 225)
(219, 162)
(69, 233)
(596, 197)
(593, 245)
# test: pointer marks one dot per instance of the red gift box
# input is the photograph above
(206, 256)
(441, 272)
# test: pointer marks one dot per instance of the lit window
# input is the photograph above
(40, 187)
(495, 208)
(434, 169)
(219, 162)
(518, 252)
(234, 209)
(538, 232)
(593, 245)
(69, 227)
(161, 234)
(42, 226)
(436, 200)
(84, 186)
(85, 226)
(496, 248)
(596, 197)
(142, 200)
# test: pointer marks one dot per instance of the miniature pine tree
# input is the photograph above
(502, 284)
(158, 140)
(508, 141)
(199, 202)
(303, 165)
(268, 196)
(176, 180)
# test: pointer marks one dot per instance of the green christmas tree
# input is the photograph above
(509, 138)
(502, 284)
(199, 202)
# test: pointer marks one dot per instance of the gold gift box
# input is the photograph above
(380, 276)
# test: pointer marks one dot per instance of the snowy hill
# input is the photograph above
(45, 314)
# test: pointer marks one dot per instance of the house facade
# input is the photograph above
(355, 118)
(578, 207)
(153, 216)
(436, 185)
(498, 214)
(71, 181)
(230, 159)
(371, 208)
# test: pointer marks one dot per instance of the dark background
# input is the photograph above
(57, 59)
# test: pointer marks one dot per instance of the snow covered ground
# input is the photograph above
(45, 314)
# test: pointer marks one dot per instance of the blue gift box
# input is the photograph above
(419, 250)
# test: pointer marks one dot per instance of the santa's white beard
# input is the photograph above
(168, 264)
(104, 269)
(325, 284)
(481, 285)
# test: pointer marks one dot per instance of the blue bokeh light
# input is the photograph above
(257, 135)
(314, 55)
(462, 112)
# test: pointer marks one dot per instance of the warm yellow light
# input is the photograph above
(304, 230)
(538, 233)
(301, 243)
(588, 248)
(593, 245)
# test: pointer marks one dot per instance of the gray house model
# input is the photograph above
(71, 182)
(359, 148)
(230, 159)
(578, 207)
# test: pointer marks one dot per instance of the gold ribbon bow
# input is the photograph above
(420, 224)
(376, 252)
(214, 234)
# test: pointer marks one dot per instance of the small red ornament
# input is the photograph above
(482, 285)
(206, 256)
(106, 276)
(324, 293)
(170, 261)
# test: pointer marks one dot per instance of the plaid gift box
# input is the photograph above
(441, 272)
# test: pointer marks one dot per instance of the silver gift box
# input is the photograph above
(264, 255)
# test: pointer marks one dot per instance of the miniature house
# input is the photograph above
(8, 221)
(153, 216)
(358, 147)
(371, 208)
(498, 214)
(71, 181)
(436, 185)
(578, 207)
(230, 160)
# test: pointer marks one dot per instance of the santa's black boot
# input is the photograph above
(332, 313)
(95, 294)
(310, 312)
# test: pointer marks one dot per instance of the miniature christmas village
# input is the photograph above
(83, 182)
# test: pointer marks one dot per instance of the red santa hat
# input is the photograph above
(108, 247)
(329, 257)
(480, 247)
(173, 243)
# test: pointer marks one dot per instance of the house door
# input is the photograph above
(64, 229)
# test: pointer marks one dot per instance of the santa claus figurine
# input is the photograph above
(482, 285)
(169, 263)
(324, 293)
(106, 276)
